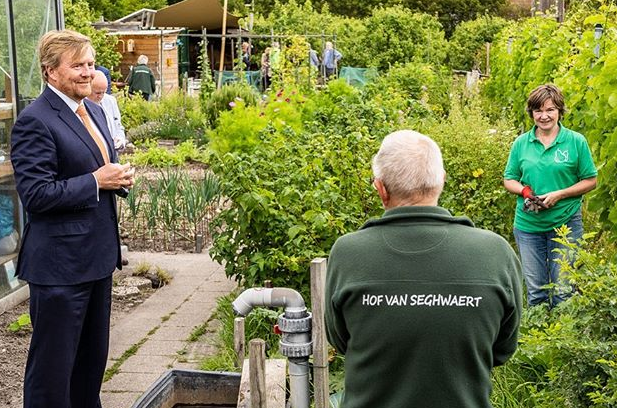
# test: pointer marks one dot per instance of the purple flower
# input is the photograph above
(232, 104)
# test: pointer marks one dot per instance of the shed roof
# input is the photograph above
(195, 15)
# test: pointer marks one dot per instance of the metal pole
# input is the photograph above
(161, 65)
(219, 81)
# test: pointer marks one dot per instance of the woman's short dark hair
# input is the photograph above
(543, 93)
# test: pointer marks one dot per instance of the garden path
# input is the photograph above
(159, 328)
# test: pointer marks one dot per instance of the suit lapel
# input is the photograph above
(77, 127)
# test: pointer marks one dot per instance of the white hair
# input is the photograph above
(409, 164)
(142, 59)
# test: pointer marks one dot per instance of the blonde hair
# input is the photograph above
(55, 43)
(409, 164)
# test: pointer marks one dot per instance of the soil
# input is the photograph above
(14, 345)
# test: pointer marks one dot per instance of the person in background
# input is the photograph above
(110, 106)
(313, 58)
(549, 169)
(275, 59)
(141, 79)
(67, 176)
(422, 304)
(107, 74)
(246, 55)
(330, 59)
(315, 64)
(266, 70)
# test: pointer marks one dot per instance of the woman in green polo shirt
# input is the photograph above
(549, 169)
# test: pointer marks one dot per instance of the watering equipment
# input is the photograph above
(295, 327)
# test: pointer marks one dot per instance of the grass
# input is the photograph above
(113, 370)
(141, 269)
(164, 276)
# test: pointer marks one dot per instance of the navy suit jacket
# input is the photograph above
(71, 237)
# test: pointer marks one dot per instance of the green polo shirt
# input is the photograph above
(564, 163)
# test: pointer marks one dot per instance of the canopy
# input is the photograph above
(195, 15)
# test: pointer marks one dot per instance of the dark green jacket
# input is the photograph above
(141, 79)
(423, 305)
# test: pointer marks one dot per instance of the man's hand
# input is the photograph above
(112, 176)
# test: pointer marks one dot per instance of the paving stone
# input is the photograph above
(119, 399)
(161, 348)
(146, 364)
(130, 382)
(176, 309)
(169, 332)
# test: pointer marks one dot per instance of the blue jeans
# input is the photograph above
(540, 267)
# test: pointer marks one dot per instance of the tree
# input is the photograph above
(449, 12)
(115, 9)
(452, 12)
(78, 16)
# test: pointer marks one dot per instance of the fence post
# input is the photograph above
(239, 341)
(257, 370)
(320, 345)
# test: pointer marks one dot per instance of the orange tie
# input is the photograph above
(81, 111)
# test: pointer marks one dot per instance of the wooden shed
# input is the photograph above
(160, 46)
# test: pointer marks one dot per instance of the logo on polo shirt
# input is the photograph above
(561, 156)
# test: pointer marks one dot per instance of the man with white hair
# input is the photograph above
(421, 303)
(109, 104)
(141, 79)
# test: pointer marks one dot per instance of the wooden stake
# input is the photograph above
(320, 344)
(257, 370)
(239, 341)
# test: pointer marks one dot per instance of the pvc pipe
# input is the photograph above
(288, 298)
(299, 395)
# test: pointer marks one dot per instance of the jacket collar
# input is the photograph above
(417, 213)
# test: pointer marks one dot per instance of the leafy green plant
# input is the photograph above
(298, 188)
(226, 98)
(258, 324)
(22, 323)
(566, 355)
(475, 152)
(151, 154)
(417, 89)
(175, 116)
(467, 48)
(397, 35)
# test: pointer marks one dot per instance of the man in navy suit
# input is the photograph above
(66, 177)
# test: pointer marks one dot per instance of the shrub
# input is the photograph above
(467, 48)
(151, 154)
(225, 98)
(175, 116)
(566, 355)
(475, 153)
(397, 35)
(417, 89)
(298, 188)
